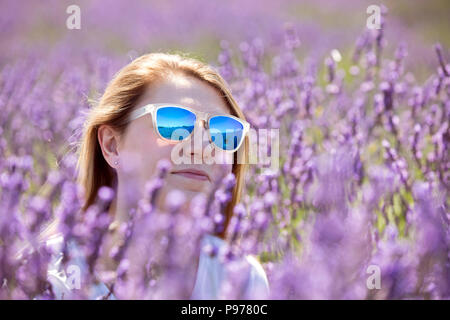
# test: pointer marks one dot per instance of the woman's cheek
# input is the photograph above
(219, 169)
(223, 158)
(150, 155)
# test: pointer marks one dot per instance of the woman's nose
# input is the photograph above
(199, 141)
(202, 123)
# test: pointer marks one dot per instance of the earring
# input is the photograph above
(116, 162)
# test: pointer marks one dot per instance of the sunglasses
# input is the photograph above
(173, 122)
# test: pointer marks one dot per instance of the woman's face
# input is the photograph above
(139, 149)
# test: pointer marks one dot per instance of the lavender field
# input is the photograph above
(364, 125)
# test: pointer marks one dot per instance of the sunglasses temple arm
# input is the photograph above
(141, 112)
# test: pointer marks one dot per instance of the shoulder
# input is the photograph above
(258, 284)
(55, 243)
(55, 272)
(64, 278)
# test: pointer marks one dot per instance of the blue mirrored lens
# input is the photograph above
(226, 132)
(175, 123)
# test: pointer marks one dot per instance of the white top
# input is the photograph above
(212, 273)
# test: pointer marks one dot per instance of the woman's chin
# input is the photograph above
(188, 184)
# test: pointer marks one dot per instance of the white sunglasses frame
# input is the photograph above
(152, 109)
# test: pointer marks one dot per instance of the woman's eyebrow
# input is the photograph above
(190, 102)
(197, 105)
(214, 110)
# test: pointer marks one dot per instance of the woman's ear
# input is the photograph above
(109, 142)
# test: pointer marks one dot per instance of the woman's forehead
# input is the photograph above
(187, 91)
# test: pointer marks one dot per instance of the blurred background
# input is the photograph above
(114, 27)
(363, 118)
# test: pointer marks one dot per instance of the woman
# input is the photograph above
(154, 107)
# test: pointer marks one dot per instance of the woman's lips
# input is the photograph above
(193, 174)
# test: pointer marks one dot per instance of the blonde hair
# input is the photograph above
(116, 104)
